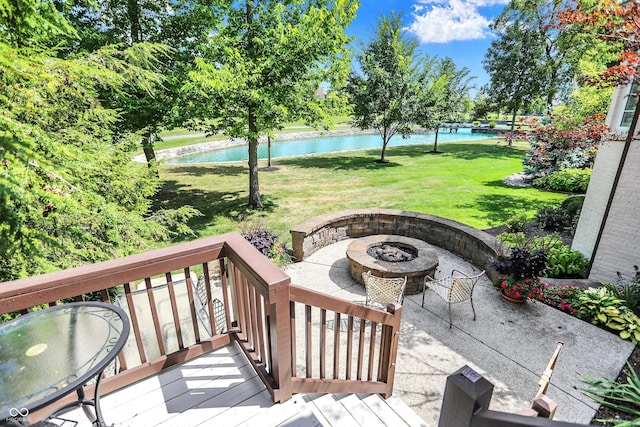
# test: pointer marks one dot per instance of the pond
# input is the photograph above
(301, 147)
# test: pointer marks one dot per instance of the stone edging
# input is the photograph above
(476, 246)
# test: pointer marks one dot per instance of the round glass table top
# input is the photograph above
(49, 353)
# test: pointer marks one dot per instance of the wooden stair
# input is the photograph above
(369, 410)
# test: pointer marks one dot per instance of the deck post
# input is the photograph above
(390, 348)
(465, 392)
(280, 337)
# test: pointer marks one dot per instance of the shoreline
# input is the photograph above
(170, 153)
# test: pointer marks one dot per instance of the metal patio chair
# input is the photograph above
(383, 290)
(453, 289)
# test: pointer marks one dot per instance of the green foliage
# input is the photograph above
(262, 65)
(70, 192)
(530, 62)
(555, 219)
(562, 297)
(385, 95)
(628, 291)
(606, 308)
(621, 396)
(567, 180)
(563, 218)
(32, 23)
(492, 124)
(573, 204)
(517, 223)
(562, 261)
(564, 145)
(443, 94)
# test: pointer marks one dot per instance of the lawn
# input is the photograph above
(464, 184)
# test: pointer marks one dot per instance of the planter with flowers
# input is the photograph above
(520, 269)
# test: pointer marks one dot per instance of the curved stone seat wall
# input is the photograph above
(475, 246)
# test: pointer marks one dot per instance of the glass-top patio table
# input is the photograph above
(50, 353)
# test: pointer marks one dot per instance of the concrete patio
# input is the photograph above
(508, 344)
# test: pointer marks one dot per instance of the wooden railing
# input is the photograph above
(356, 342)
(157, 290)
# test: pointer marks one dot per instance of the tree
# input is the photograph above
(514, 68)
(445, 99)
(178, 25)
(262, 66)
(70, 193)
(559, 50)
(384, 96)
(618, 24)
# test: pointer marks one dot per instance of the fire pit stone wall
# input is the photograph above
(469, 243)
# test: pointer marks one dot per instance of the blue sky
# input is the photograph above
(458, 29)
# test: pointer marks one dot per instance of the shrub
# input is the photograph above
(521, 263)
(261, 239)
(573, 204)
(563, 297)
(563, 218)
(606, 308)
(564, 145)
(554, 219)
(476, 123)
(629, 292)
(492, 124)
(621, 396)
(567, 180)
(562, 261)
(517, 222)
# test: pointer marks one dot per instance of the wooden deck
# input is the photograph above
(221, 388)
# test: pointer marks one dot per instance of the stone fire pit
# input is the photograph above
(361, 260)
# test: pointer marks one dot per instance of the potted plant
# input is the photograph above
(520, 269)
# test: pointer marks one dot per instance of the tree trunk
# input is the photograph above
(133, 10)
(254, 186)
(147, 148)
(513, 125)
(385, 141)
(268, 151)
(435, 143)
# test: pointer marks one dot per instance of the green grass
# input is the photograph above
(464, 184)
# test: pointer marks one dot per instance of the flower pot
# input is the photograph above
(510, 295)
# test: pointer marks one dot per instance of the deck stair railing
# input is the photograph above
(282, 328)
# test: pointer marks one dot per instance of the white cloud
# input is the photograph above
(438, 21)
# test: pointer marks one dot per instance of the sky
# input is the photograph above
(458, 29)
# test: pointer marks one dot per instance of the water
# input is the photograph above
(300, 147)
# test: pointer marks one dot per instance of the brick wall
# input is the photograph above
(471, 244)
(619, 248)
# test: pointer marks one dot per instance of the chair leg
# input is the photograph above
(450, 323)
(474, 310)
(424, 289)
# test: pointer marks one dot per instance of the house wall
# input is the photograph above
(619, 248)
(604, 172)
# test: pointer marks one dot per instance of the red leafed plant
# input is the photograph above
(611, 20)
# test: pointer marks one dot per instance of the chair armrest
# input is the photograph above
(455, 270)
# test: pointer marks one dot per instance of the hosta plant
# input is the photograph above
(605, 308)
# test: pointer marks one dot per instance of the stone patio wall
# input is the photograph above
(473, 245)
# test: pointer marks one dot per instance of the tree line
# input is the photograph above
(84, 84)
